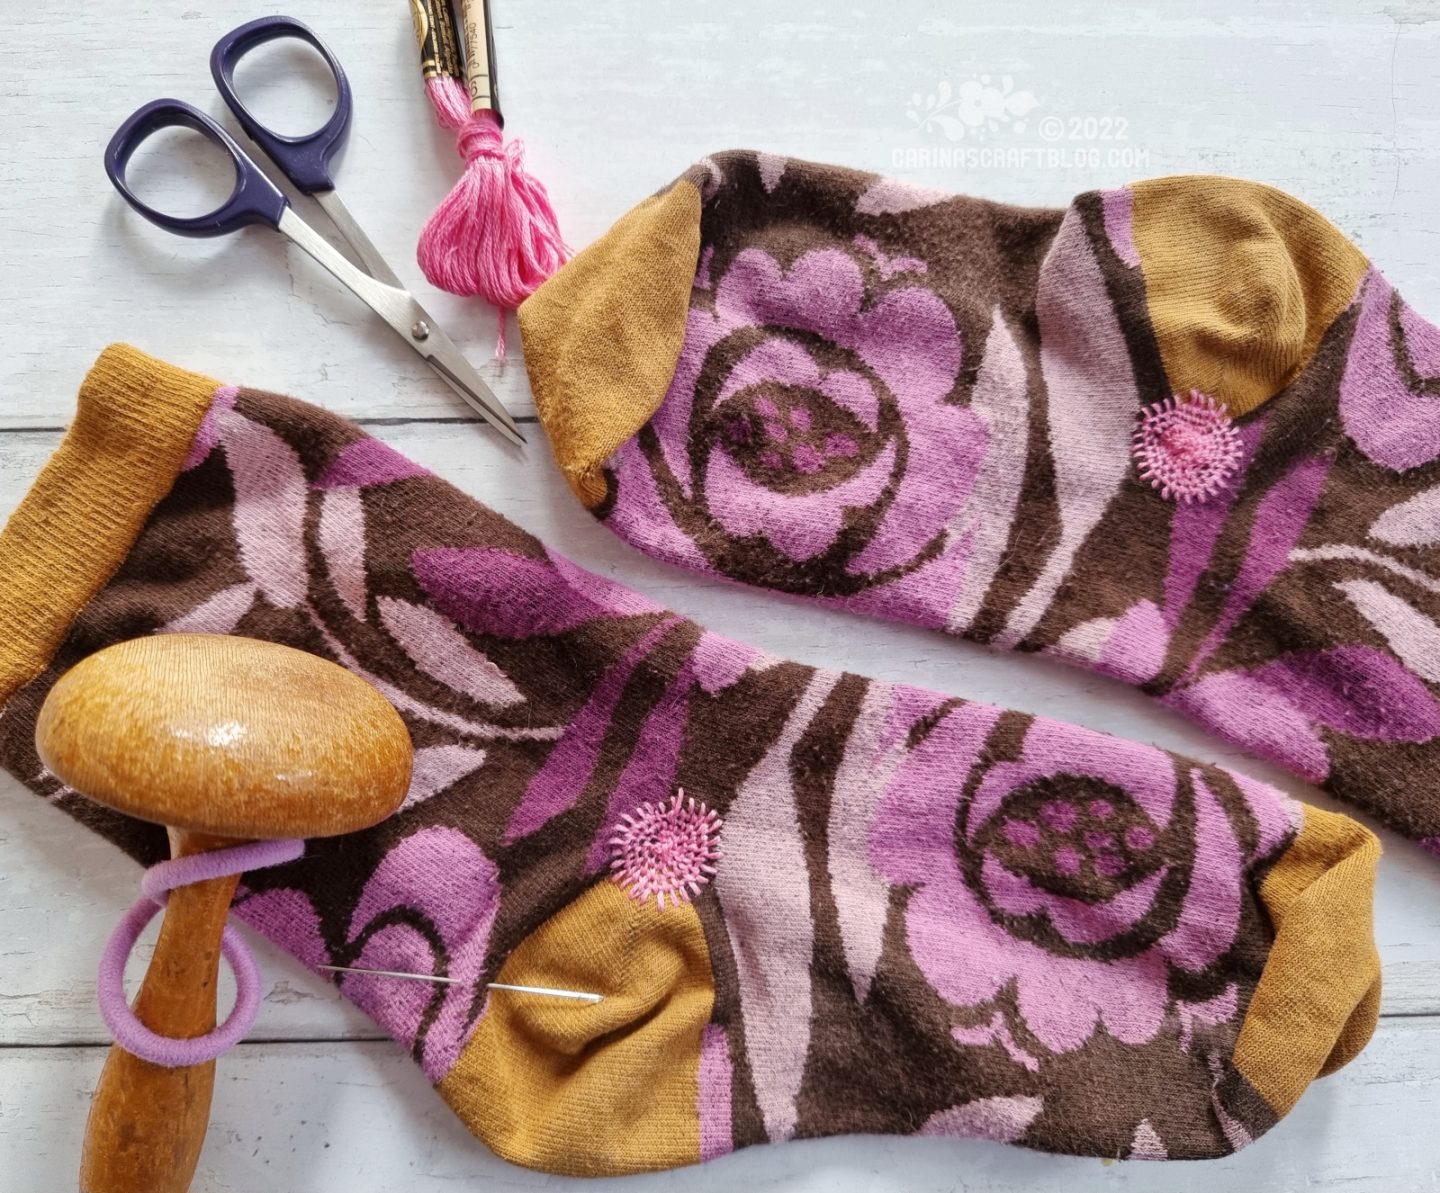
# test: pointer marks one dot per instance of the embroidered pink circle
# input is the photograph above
(666, 850)
(1187, 448)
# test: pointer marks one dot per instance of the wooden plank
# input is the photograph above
(299, 1118)
(1334, 101)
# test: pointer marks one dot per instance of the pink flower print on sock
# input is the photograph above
(1050, 877)
(801, 403)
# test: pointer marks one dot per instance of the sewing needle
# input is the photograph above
(545, 991)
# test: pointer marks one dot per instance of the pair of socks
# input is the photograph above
(1182, 433)
(873, 908)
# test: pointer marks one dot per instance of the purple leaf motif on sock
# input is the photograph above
(1391, 422)
(872, 754)
(1001, 401)
(1118, 208)
(1356, 690)
(1280, 518)
(271, 499)
(772, 169)
(490, 591)
(615, 599)
(1210, 916)
(995, 1033)
(886, 264)
(719, 663)
(764, 888)
(717, 1074)
(1130, 648)
(342, 544)
(209, 433)
(437, 768)
(1414, 637)
(563, 777)
(435, 646)
(368, 462)
(1136, 648)
(1093, 400)
(1256, 717)
(1278, 710)
(1414, 522)
(1000, 1119)
(649, 774)
(1195, 528)
(219, 614)
(1146, 1143)
(892, 196)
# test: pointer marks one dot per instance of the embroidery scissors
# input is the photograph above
(305, 161)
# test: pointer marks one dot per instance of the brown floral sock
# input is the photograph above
(1181, 432)
(874, 909)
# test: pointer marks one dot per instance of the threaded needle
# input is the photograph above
(544, 991)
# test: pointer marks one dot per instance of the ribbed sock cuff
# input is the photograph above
(133, 428)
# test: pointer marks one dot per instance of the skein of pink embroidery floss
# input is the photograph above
(495, 235)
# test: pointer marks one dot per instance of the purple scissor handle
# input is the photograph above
(305, 160)
(255, 199)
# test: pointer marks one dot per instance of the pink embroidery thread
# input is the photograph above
(1187, 448)
(496, 233)
(666, 850)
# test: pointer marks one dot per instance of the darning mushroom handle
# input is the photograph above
(147, 1122)
(222, 740)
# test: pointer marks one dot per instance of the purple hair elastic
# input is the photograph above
(159, 880)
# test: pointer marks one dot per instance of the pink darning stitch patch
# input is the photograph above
(1187, 448)
(666, 850)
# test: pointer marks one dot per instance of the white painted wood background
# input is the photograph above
(1335, 100)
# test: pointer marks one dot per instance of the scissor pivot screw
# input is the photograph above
(421, 330)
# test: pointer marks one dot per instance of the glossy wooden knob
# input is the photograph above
(220, 739)
(229, 736)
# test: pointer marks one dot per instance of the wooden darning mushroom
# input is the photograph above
(222, 740)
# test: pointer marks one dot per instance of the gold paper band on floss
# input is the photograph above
(435, 35)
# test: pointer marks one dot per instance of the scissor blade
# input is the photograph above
(410, 322)
(355, 237)
(447, 360)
